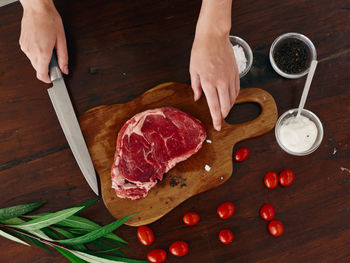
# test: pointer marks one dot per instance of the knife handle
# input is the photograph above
(55, 72)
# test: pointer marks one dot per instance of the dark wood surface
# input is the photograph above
(120, 49)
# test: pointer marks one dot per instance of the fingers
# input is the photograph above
(39, 59)
(225, 101)
(40, 34)
(237, 85)
(42, 67)
(214, 105)
(62, 53)
(233, 94)
(196, 86)
(233, 91)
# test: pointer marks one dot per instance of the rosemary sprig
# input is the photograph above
(69, 234)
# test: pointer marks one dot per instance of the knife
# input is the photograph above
(65, 113)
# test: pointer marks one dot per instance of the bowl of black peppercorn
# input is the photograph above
(291, 55)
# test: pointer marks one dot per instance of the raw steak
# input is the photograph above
(149, 145)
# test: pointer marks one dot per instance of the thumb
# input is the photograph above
(62, 53)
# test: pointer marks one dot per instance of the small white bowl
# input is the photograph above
(291, 114)
(307, 42)
(247, 51)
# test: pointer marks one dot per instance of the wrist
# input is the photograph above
(38, 5)
(214, 18)
(213, 30)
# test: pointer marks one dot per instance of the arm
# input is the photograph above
(42, 31)
(213, 67)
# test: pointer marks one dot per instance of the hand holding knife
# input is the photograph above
(65, 113)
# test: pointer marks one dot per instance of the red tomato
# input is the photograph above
(156, 255)
(242, 154)
(286, 177)
(191, 218)
(145, 235)
(179, 248)
(271, 180)
(267, 212)
(276, 228)
(226, 236)
(226, 210)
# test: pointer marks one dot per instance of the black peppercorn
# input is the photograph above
(292, 56)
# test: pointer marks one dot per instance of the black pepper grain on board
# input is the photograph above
(292, 56)
(177, 180)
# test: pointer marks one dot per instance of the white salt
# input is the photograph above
(208, 141)
(207, 168)
(241, 59)
(345, 169)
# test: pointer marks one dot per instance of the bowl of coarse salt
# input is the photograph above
(243, 55)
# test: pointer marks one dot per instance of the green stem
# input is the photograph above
(41, 240)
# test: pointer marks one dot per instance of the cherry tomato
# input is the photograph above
(286, 177)
(242, 154)
(179, 248)
(191, 218)
(267, 212)
(276, 228)
(226, 210)
(156, 255)
(145, 235)
(226, 236)
(271, 180)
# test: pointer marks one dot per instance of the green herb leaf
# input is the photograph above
(86, 225)
(18, 210)
(13, 238)
(86, 204)
(96, 233)
(114, 237)
(119, 258)
(110, 251)
(116, 259)
(49, 219)
(37, 215)
(105, 238)
(122, 245)
(50, 233)
(83, 205)
(30, 240)
(48, 229)
(66, 234)
(94, 259)
(40, 234)
(13, 221)
(79, 222)
(107, 248)
(18, 221)
(72, 258)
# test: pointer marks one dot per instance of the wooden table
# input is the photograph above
(120, 49)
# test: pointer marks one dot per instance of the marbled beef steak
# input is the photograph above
(150, 144)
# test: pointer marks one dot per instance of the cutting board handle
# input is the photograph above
(263, 123)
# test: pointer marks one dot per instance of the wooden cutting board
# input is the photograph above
(101, 125)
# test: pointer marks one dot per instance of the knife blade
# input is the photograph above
(65, 113)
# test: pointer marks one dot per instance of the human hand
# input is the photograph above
(42, 31)
(213, 69)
